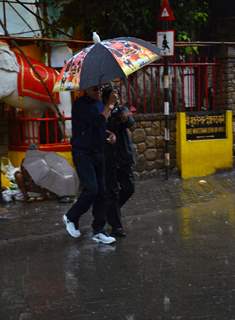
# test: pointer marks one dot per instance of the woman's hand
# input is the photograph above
(107, 110)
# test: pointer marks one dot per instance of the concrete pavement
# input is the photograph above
(177, 261)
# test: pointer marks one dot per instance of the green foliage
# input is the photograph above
(133, 17)
(111, 18)
(200, 17)
(191, 18)
(184, 36)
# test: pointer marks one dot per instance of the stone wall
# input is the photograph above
(226, 56)
(226, 100)
(148, 132)
(148, 138)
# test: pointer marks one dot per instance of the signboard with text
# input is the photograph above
(209, 125)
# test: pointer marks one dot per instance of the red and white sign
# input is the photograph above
(166, 13)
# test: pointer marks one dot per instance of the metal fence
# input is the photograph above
(193, 85)
(48, 131)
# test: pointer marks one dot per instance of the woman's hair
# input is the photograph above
(106, 93)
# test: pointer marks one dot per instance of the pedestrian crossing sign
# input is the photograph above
(165, 42)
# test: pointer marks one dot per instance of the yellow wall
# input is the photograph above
(197, 158)
(16, 157)
(67, 155)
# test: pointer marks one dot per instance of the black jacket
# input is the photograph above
(88, 126)
(122, 151)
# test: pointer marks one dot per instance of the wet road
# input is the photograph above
(178, 261)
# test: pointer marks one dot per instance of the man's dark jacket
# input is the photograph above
(88, 126)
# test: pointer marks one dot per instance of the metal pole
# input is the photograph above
(166, 112)
(166, 15)
(166, 117)
(4, 15)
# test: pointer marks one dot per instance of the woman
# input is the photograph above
(119, 161)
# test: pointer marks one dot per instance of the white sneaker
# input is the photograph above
(103, 238)
(70, 227)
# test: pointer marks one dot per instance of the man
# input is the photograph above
(119, 161)
(88, 138)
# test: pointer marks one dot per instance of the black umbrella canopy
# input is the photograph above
(105, 61)
(99, 67)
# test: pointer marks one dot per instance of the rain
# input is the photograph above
(178, 255)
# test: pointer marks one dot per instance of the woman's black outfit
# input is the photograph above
(119, 162)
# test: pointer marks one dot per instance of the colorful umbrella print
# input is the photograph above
(105, 61)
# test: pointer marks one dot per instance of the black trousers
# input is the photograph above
(90, 169)
(119, 188)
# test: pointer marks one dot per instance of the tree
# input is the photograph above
(133, 17)
(191, 18)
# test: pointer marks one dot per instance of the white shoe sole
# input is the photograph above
(104, 242)
(66, 225)
(64, 220)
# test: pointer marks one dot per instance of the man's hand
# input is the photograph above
(110, 104)
(111, 137)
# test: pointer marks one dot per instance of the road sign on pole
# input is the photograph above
(165, 42)
(166, 13)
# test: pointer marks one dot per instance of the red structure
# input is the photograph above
(194, 86)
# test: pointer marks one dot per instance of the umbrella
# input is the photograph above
(105, 61)
(52, 172)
